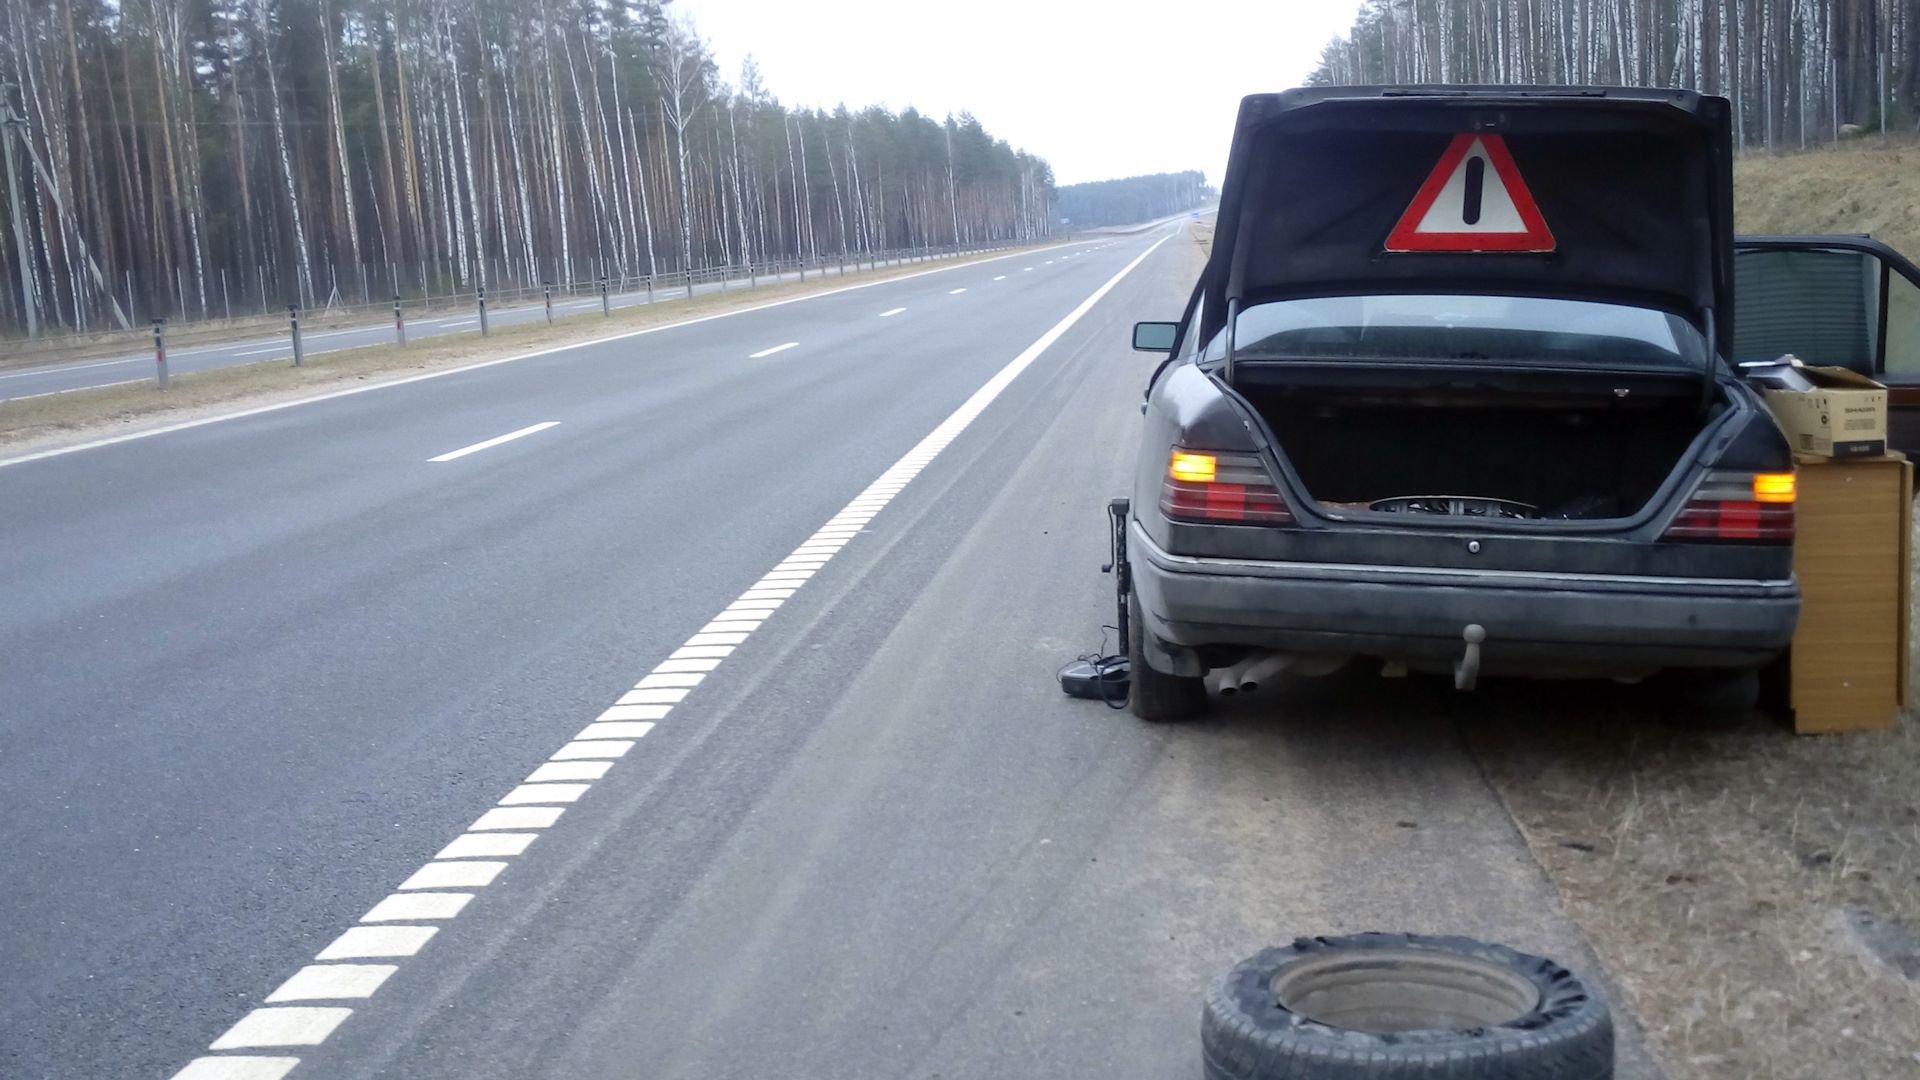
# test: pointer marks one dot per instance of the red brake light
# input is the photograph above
(1221, 488)
(1737, 506)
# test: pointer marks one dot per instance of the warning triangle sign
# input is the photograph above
(1474, 200)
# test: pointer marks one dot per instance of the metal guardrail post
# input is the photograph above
(399, 322)
(160, 351)
(293, 323)
(480, 294)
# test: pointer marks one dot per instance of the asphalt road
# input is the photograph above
(255, 674)
(139, 366)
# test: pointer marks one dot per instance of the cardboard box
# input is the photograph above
(1851, 553)
(1844, 415)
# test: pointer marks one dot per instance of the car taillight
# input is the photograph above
(1221, 488)
(1737, 506)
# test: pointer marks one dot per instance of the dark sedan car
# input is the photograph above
(1454, 393)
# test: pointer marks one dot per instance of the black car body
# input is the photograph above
(1533, 458)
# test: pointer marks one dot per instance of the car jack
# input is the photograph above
(1107, 678)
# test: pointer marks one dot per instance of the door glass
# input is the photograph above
(1821, 306)
(1903, 325)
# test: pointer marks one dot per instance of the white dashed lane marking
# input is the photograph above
(957, 292)
(237, 1068)
(489, 444)
(891, 312)
(1002, 277)
(402, 924)
(770, 352)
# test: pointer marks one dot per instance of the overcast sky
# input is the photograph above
(1100, 88)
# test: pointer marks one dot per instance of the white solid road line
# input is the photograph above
(891, 312)
(956, 292)
(285, 1026)
(489, 444)
(769, 352)
(78, 367)
(283, 347)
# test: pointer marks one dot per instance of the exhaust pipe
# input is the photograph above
(1263, 670)
(1228, 679)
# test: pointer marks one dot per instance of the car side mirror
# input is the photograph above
(1155, 336)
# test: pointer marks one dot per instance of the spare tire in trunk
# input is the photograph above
(1405, 1006)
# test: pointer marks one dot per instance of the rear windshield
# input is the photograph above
(1500, 329)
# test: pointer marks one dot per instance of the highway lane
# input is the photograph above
(139, 366)
(257, 670)
(270, 666)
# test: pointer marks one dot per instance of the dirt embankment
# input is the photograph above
(1855, 187)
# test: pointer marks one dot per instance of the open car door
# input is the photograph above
(1834, 301)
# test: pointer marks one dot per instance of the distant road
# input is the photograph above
(138, 367)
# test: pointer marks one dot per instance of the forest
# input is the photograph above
(190, 158)
(1131, 199)
(1800, 72)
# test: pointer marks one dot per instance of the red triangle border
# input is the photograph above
(1536, 239)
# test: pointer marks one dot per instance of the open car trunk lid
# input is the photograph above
(1614, 195)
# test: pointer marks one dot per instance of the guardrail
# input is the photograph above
(373, 293)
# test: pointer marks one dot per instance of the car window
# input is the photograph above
(1462, 327)
(1817, 304)
(1903, 326)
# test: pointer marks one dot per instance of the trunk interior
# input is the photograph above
(1550, 446)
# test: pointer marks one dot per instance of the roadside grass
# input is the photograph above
(1756, 894)
(1858, 186)
(1202, 233)
(51, 419)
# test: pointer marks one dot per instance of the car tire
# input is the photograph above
(1154, 695)
(1424, 1008)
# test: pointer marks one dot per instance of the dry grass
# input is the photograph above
(53, 419)
(1856, 187)
(1756, 894)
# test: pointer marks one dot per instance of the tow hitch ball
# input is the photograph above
(1466, 672)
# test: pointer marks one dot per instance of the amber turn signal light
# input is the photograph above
(1193, 468)
(1773, 487)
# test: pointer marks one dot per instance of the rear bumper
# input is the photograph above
(1536, 624)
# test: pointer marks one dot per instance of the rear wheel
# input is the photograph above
(1155, 695)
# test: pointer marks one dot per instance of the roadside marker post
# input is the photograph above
(160, 350)
(547, 287)
(480, 295)
(293, 322)
(606, 303)
(399, 322)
